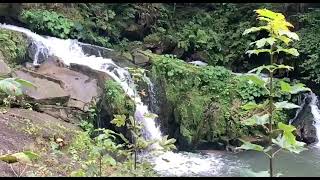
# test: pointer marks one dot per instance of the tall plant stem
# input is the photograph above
(271, 111)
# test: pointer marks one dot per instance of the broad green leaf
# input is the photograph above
(11, 87)
(285, 39)
(119, 120)
(285, 105)
(256, 80)
(251, 105)
(289, 34)
(291, 51)
(258, 51)
(26, 156)
(287, 140)
(281, 66)
(269, 14)
(25, 83)
(250, 173)
(256, 120)
(299, 87)
(255, 29)
(249, 146)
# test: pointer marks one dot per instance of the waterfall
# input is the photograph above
(69, 51)
(316, 115)
(168, 163)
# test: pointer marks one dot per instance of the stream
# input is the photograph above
(212, 163)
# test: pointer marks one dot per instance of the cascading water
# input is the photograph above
(169, 163)
(69, 51)
(316, 115)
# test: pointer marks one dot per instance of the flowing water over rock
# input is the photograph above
(169, 163)
(316, 115)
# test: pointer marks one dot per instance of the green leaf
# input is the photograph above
(256, 120)
(299, 87)
(250, 173)
(251, 105)
(119, 120)
(11, 87)
(26, 156)
(256, 80)
(291, 51)
(287, 140)
(25, 82)
(285, 105)
(258, 51)
(249, 146)
(289, 34)
(255, 29)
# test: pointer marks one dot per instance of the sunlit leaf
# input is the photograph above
(119, 120)
(256, 80)
(26, 156)
(249, 146)
(256, 120)
(285, 105)
(251, 105)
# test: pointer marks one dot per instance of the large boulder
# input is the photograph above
(48, 91)
(304, 121)
(81, 88)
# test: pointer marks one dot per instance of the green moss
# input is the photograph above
(117, 100)
(13, 46)
(202, 97)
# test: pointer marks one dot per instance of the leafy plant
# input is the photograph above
(278, 40)
(43, 20)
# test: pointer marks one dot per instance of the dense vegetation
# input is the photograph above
(209, 104)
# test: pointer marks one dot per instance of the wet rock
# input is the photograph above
(48, 91)
(306, 131)
(81, 88)
(140, 59)
(37, 52)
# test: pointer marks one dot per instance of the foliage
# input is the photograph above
(13, 46)
(279, 36)
(201, 97)
(308, 46)
(117, 100)
(48, 21)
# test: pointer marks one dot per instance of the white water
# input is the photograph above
(69, 51)
(316, 115)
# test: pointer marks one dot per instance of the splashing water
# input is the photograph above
(316, 115)
(70, 51)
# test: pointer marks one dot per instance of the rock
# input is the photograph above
(4, 68)
(306, 131)
(199, 56)
(140, 59)
(48, 91)
(96, 50)
(100, 76)
(81, 88)
(37, 52)
(22, 129)
(178, 51)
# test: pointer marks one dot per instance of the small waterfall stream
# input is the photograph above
(316, 115)
(168, 164)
